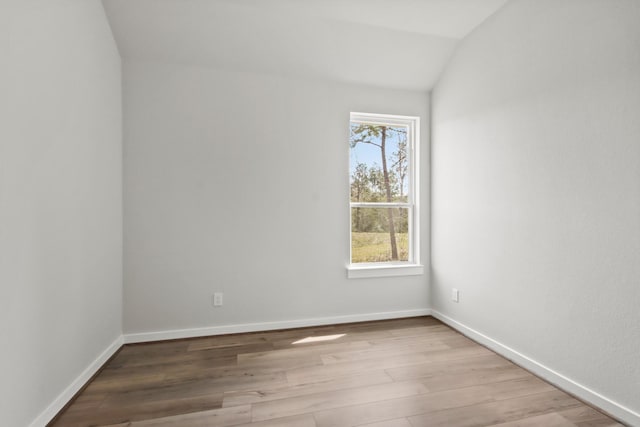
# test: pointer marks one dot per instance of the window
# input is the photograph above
(383, 195)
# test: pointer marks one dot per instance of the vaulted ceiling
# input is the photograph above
(388, 43)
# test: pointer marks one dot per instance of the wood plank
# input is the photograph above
(390, 351)
(215, 418)
(398, 422)
(547, 420)
(585, 416)
(335, 399)
(430, 369)
(325, 372)
(298, 352)
(457, 353)
(202, 358)
(104, 384)
(137, 410)
(296, 421)
(233, 398)
(419, 331)
(599, 423)
(355, 415)
(432, 402)
(477, 376)
(524, 386)
(168, 367)
(484, 414)
(458, 340)
(443, 336)
(241, 380)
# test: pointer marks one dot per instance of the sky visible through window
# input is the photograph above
(370, 154)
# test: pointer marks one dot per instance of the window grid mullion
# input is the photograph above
(380, 205)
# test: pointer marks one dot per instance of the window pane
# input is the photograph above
(372, 237)
(379, 164)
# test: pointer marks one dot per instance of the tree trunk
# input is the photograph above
(358, 220)
(387, 186)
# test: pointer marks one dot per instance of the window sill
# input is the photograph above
(361, 271)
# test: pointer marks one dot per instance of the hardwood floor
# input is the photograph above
(396, 373)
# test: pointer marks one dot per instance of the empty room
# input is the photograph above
(320, 213)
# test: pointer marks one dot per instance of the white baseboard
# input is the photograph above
(614, 409)
(267, 326)
(65, 397)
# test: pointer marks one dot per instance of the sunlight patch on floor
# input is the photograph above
(318, 339)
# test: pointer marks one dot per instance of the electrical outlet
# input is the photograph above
(455, 295)
(217, 299)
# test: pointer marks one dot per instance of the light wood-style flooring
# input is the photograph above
(397, 373)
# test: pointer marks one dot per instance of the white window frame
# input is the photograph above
(394, 268)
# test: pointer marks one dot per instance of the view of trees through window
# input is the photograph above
(380, 184)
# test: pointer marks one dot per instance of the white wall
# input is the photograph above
(536, 188)
(60, 199)
(238, 182)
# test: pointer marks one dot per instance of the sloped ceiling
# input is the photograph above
(388, 43)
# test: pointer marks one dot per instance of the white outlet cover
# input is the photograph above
(217, 299)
